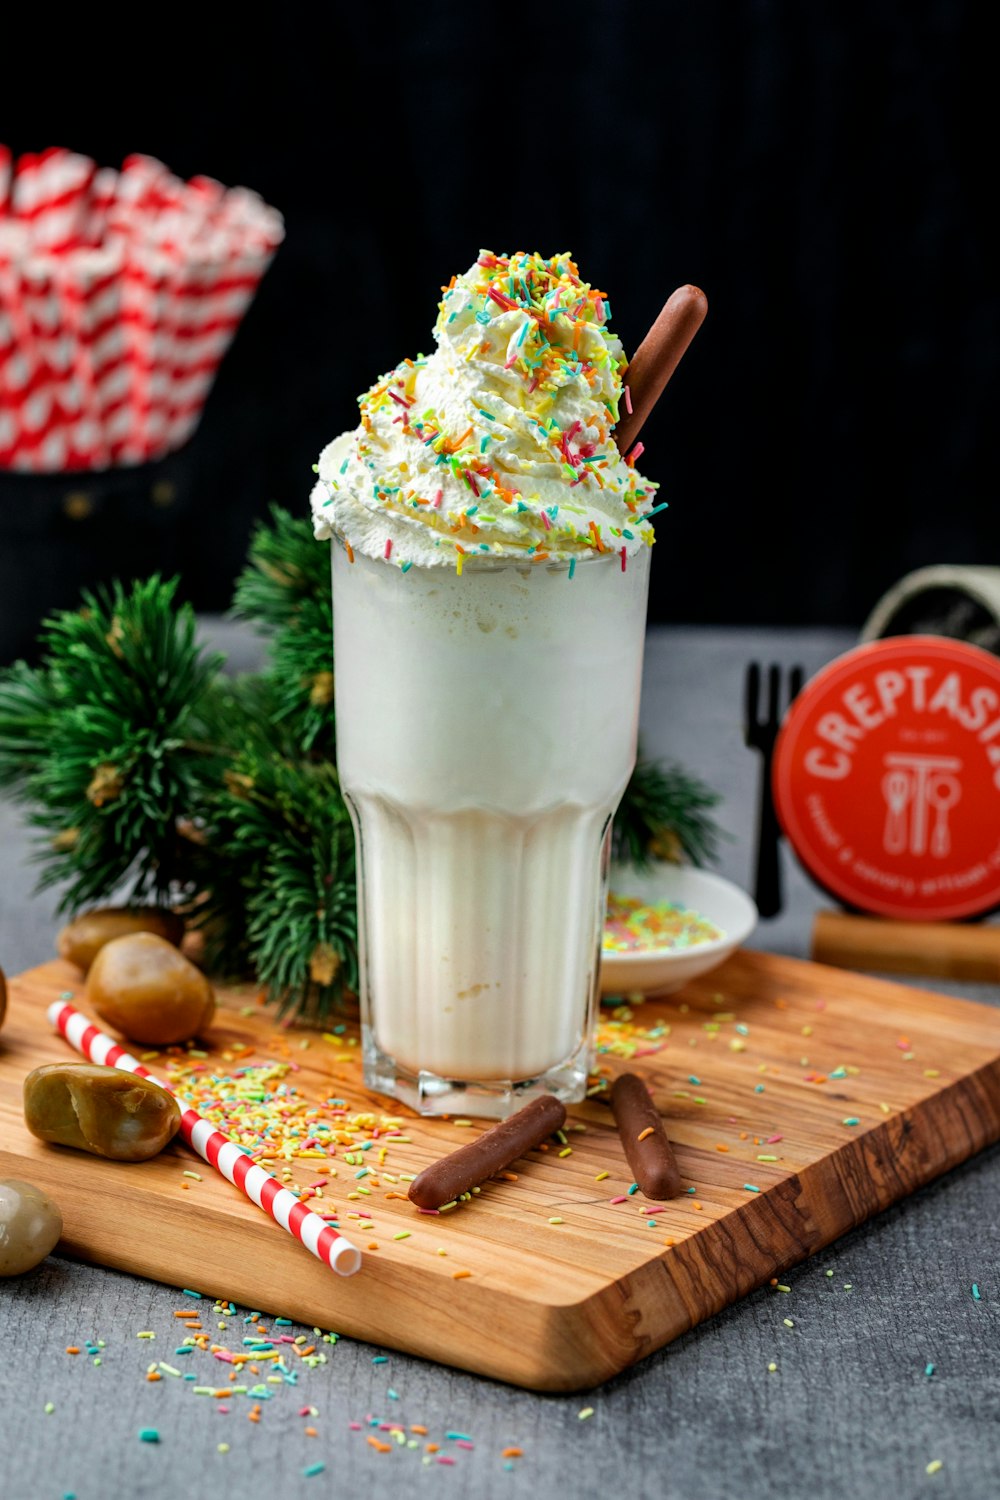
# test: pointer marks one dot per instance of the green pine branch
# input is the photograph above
(285, 566)
(282, 900)
(665, 813)
(284, 591)
(27, 725)
(98, 740)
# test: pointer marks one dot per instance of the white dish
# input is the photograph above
(663, 970)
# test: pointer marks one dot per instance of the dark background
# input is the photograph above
(823, 171)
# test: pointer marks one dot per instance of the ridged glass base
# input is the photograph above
(494, 1098)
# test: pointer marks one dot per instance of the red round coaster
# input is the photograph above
(887, 778)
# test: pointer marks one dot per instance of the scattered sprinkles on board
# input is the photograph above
(267, 1361)
(308, 1137)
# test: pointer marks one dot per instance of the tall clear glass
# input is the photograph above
(486, 729)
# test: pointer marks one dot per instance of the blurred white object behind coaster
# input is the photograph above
(960, 602)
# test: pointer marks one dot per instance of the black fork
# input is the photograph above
(760, 730)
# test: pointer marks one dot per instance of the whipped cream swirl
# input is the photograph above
(499, 444)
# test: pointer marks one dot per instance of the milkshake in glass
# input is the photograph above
(490, 570)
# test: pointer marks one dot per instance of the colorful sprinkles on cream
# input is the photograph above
(500, 444)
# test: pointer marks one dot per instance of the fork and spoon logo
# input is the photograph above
(886, 778)
(919, 790)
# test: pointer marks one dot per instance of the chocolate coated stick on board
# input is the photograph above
(493, 1150)
(649, 1153)
(656, 359)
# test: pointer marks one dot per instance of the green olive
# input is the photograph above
(30, 1226)
(81, 941)
(101, 1110)
(145, 987)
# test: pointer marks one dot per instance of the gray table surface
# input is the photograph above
(849, 1411)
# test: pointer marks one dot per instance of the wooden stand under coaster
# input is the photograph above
(947, 950)
(860, 1089)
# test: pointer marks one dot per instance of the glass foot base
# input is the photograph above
(494, 1098)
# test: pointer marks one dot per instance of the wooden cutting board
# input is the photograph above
(742, 1061)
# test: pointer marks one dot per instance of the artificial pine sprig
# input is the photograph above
(283, 899)
(665, 814)
(27, 705)
(284, 591)
(285, 567)
(303, 917)
(99, 740)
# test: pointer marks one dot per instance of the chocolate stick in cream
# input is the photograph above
(493, 1150)
(644, 1139)
(656, 359)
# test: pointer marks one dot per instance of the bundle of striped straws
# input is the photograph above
(120, 292)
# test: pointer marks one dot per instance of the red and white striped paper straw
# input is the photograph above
(218, 1150)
